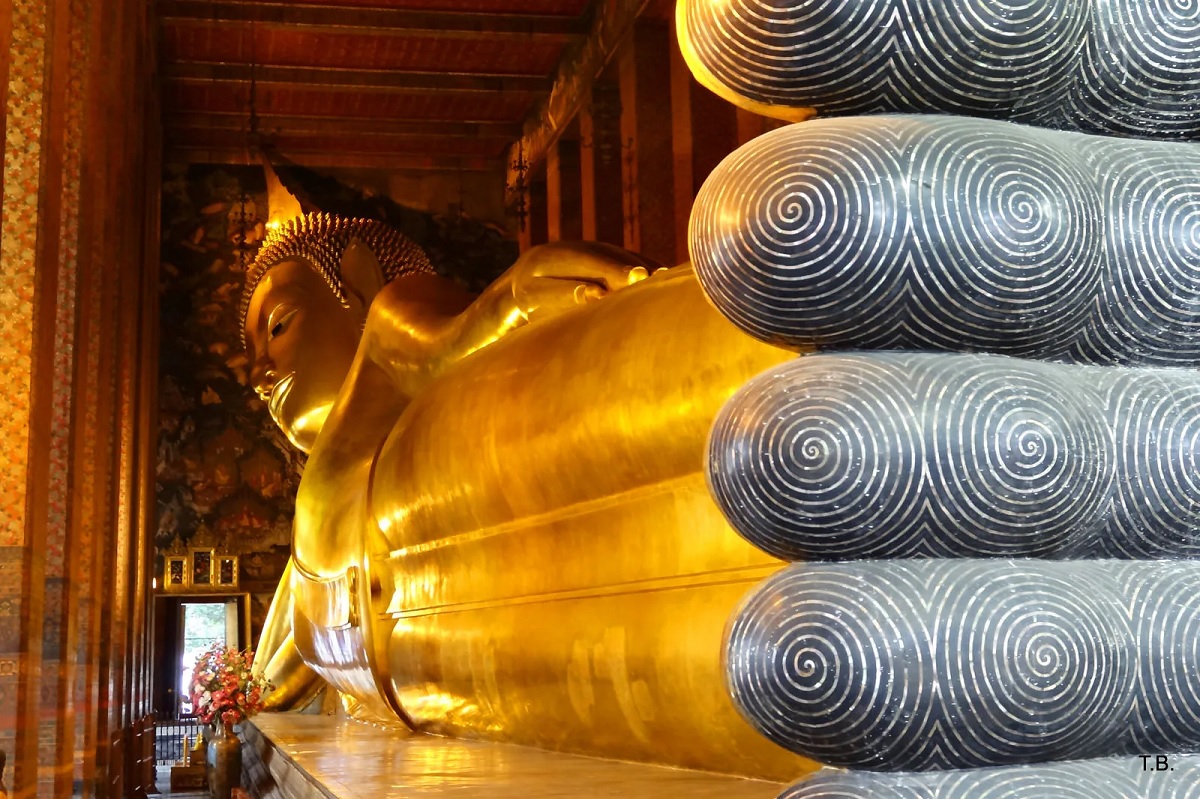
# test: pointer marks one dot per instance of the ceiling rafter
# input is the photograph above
(379, 80)
(358, 126)
(317, 159)
(369, 21)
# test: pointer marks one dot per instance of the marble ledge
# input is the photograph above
(331, 757)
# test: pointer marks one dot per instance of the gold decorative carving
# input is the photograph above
(201, 561)
(177, 572)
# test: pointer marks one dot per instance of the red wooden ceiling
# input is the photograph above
(370, 82)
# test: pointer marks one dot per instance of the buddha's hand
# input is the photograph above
(553, 278)
(293, 683)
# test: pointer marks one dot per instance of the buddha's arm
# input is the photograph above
(293, 683)
(422, 323)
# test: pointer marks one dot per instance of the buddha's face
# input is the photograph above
(302, 342)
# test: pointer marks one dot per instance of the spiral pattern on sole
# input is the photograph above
(1125, 67)
(892, 455)
(942, 664)
(953, 233)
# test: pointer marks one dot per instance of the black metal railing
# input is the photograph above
(169, 736)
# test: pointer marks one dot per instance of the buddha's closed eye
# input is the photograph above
(279, 320)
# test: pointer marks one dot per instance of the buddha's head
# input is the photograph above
(304, 303)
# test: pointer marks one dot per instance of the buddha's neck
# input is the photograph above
(366, 409)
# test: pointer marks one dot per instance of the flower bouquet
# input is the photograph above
(224, 690)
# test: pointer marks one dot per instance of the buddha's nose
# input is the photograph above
(263, 377)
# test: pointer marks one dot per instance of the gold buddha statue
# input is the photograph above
(503, 529)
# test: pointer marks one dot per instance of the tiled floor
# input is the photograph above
(349, 760)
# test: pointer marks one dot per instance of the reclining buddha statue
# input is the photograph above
(898, 478)
(503, 529)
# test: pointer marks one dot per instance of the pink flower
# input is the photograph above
(224, 686)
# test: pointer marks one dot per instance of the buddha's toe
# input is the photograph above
(890, 455)
(1124, 68)
(954, 664)
(956, 234)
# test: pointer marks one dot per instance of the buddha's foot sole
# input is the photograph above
(941, 664)
(950, 233)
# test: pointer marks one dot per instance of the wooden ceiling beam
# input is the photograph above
(369, 21)
(272, 77)
(434, 146)
(181, 153)
(357, 126)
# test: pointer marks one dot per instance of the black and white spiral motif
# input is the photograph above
(1034, 663)
(891, 455)
(817, 230)
(1164, 611)
(1139, 75)
(1019, 459)
(944, 455)
(1123, 67)
(834, 663)
(829, 452)
(1105, 778)
(1150, 290)
(947, 664)
(1004, 240)
(978, 57)
(1154, 416)
(997, 237)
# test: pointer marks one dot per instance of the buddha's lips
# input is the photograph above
(279, 394)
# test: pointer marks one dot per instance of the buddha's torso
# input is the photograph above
(532, 554)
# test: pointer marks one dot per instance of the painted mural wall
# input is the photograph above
(227, 477)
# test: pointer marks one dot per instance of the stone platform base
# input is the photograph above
(329, 757)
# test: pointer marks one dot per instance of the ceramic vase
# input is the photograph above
(224, 762)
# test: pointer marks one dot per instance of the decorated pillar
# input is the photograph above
(564, 200)
(600, 164)
(644, 65)
(72, 240)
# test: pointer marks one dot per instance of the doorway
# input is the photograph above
(185, 627)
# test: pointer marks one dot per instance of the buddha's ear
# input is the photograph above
(362, 276)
